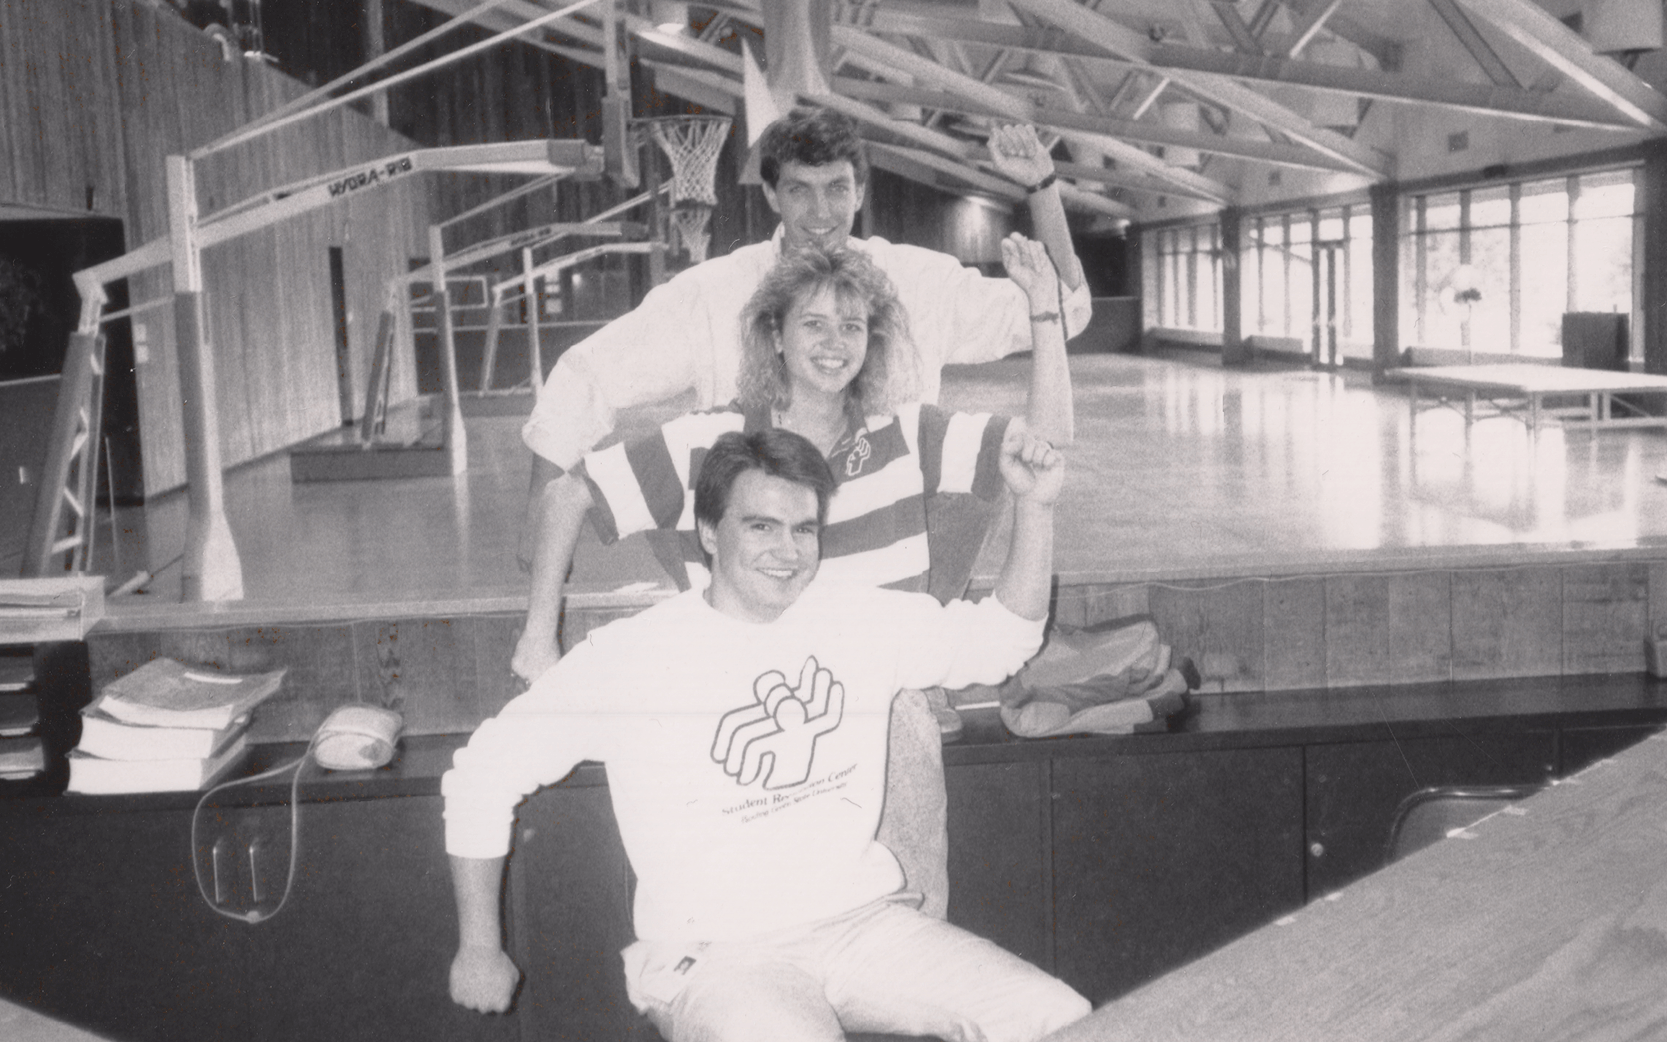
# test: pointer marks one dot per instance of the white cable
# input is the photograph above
(255, 915)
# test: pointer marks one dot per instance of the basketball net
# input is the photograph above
(692, 144)
(690, 222)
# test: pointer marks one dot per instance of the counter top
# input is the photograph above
(1547, 921)
(1210, 722)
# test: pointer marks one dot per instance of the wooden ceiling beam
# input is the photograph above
(1559, 46)
(1122, 42)
(1146, 132)
(970, 176)
(1491, 64)
(998, 186)
(1311, 25)
(1117, 179)
(1385, 49)
(1011, 107)
(707, 54)
(1494, 100)
(1483, 98)
(1243, 38)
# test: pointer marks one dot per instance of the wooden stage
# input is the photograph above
(1284, 521)
(1531, 393)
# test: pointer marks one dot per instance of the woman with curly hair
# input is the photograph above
(825, 355)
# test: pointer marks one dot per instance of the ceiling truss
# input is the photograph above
(1100, 78)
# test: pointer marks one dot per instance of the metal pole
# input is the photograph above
(212, 570)
(456, 438)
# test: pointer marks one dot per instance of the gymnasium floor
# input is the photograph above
(1181, 470)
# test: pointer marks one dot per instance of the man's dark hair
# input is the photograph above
(812, 137)
(772, 451)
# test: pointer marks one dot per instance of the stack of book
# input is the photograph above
(166, 727)
(21, 754)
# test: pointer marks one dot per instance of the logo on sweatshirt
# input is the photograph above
(859, 454)
(775, 737)
(870, 451)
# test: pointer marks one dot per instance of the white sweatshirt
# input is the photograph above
(746, 761)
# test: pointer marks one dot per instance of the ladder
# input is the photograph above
(63, 521)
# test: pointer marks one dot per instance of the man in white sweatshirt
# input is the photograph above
(744, 731)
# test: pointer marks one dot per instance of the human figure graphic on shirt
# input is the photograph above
(761, 918)
(823, 340)
(686, 335)
(781, 728)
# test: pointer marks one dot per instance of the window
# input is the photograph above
(1493, 269)
(1183, 277)
(1293, 263)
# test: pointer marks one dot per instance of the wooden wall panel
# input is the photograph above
(93, 95)
(61, 139)
(268, 293)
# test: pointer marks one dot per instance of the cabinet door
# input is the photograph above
(998, 856)
(101, 925)
(362, 950)
(1159, 859)
(1354, 788)
(570, 886)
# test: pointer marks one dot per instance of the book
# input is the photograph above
(19, 713)
(36, 610)
(167, 693)
(98, 776)
(107, 737)
(21, 758)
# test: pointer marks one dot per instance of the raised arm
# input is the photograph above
(1049, 411)
(562, 505)
(483, 977)
(1017, 152)
(1034, 471)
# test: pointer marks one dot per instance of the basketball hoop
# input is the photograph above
(692, 144)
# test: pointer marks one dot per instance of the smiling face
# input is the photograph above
(823, 342)
(765, 548)
(817, 204)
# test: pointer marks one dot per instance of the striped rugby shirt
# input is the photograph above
(886, 473)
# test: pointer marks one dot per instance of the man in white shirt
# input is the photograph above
(744, 731)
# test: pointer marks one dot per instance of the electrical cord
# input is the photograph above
(257, 915)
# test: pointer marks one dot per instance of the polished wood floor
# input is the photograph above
(1181, 470)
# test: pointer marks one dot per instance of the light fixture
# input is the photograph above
(670, 16)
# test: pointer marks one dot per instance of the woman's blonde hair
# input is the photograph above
(887, 376)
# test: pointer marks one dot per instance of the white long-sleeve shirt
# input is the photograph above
(686, 335)
(746, 761)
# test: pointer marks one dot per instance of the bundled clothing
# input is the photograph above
(1114, 677)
